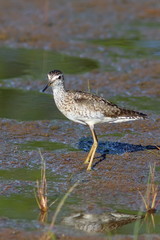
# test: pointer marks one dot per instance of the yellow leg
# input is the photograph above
(92, 151)
(89, 155)
(92, 156)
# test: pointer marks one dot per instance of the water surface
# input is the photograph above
(130, 48)
(27, 105)
(37, 62)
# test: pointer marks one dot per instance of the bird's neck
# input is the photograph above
(59, 89)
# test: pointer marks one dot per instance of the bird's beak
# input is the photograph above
(46, 87)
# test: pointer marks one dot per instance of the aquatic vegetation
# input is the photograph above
(42, 201)
(41, 193)
(150, 198)
(49, 234)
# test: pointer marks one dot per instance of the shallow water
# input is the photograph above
(150, 104)
(20, 204)
(20, 186)
(27, 105)
(130, 48)
(142, 227)
(37, 62)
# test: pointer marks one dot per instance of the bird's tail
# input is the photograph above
(132, 114)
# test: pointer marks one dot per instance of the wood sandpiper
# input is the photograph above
(87, 109)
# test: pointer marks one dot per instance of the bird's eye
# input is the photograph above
(59, 77)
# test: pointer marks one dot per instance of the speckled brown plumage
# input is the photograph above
(96, 103)
(87, 108)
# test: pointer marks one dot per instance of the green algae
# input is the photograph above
(49, 146)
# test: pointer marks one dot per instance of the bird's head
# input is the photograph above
(55, 78)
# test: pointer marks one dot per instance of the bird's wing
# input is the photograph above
(95, 104)
(90, 99)
(99, 107)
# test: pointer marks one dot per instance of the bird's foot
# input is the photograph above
(86, 161)
(89, 168)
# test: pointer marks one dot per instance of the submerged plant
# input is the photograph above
(41, 192)
(42, 201)
(41, 195)
(150, 198)
(150, 203)
(49, 235)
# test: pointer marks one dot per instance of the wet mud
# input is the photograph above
(125, 72)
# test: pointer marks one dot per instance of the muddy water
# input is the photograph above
(121, 64)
